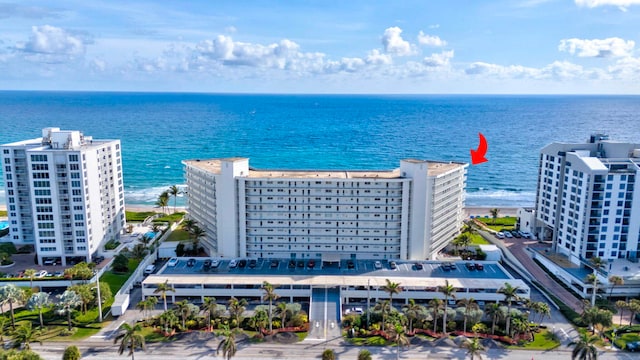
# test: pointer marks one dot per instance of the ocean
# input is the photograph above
(159, 130)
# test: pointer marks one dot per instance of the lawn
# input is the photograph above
(477, 239)
(116, 281)
(138, 216)
(80, 334)
(503, 221)
(544, 340)
(178, 235)
(370, 341)
(171, 218)
(3, 212)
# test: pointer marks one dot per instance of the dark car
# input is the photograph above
(191, 262)
(301, 263)
(351, 264)
(470, 266)
(242, 263)
(311, 264)
(274, 264)
(419, 266)
(633, 346)
(207, 264)
(516, 234)
(292, 264)
(479, 266)
(393, 265)
(253, 263)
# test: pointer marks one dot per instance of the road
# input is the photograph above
(304, 350)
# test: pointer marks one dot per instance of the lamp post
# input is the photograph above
(368, 299)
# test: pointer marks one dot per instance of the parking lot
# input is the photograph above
(359, 267)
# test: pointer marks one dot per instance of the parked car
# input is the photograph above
(274, 263)
(418, 266)
(242, 263)
(508, 235)
(172, 262)
(292, 264)
(633, 346)
(445, 267)
(233, 263)
(516, 234)
(500, 235)
(526, 235)
(149, 269)
(206, 264)
(311, 264)
(479, 266)
(470, 266)
(351, 264)
(253, 263)
(392, 265)
(301, 264)
(215, 263)
(191, 262)
(41, 273)
(377, 264)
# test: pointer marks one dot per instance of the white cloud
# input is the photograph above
(51, 40)
(438, 59)
(626, 69)
(622, 4)
(556, 71)
(429, 40)
(393, 43)
(610, 47)
(375, 57)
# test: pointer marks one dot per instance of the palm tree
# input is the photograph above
(510, 294)
(494, 312)
(236, 309)
(183, 308)
(228, 344)
(391, 288)
(67, 301)
(168, 319)
(187, 224)
(163, 289)
(209, 305)
(615, 280)
(197, 233)
(474, 348)
(174, 191)
(584, 348)
(130, 339)
(383, 306)
(634, 308)
(436, 305)
(364, 354)
(544, 310)
(398, 335)
(469, 305)
(596, 263)
(448, 291)
(270, 295)
(143, 306)
(163, 201)
(622, 306)
(12, 294)
(152, 301)
(39, 301)
(281, 312)
(31, 274)
(25, 334)
(412, 311)
(494, 214)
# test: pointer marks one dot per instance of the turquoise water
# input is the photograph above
(150, 234)
(4, 225)
(159, 130)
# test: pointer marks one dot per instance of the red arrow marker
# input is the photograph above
(477, 156)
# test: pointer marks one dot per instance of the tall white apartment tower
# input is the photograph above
(408, 213)
(64, 194)
(586, 198)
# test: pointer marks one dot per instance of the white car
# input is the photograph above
(377, 265)
(172, 262)
(41, 273)
(215, 263)
(500, 235)
(233, 263)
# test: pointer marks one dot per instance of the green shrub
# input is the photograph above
(328, 354)
(111, 245)
(71, 353)
(8, 247)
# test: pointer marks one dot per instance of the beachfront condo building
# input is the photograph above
(64, 194)
(407, 213)
(587, 203)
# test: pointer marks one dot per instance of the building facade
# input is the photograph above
(408, 213)
(586, 203)
(64, 194)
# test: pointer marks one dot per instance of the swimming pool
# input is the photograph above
(4, 225)
(150, 234)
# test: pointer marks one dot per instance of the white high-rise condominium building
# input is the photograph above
(64, 194)
(586, 203)
(408, 213)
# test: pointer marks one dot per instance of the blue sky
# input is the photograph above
(354, 46)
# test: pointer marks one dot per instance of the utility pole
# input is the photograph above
(368, 300)
(99, 298)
